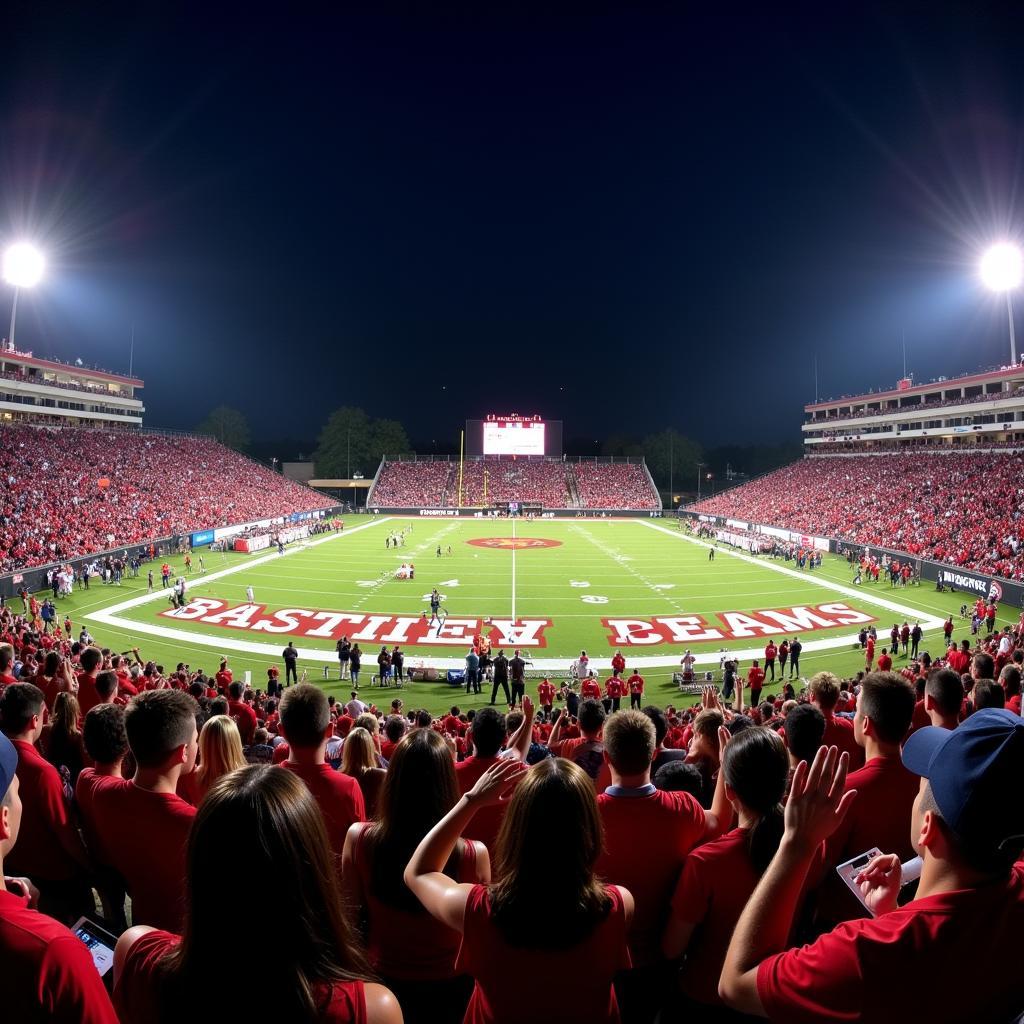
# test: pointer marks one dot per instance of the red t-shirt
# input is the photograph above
(39, 852)
(755, 677)
(591, 688)
(46, 972)
(137, 995)
(906, 965)
(408, 944)
(86, 788)
(884, 663)
(88, 697)
(281, 753)
(245, 718)
(618, 664)
(339, 796)
(145, 835)
(224, 679)
(635, 684)
(501, 996)
(614, 687)
(839, 733)
(546, 693)
(485, 824)
(646, 839)
(712, 891)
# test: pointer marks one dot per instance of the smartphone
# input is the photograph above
(911, 874)
(100, 944)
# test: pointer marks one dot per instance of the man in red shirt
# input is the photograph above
(242, 713)
(884, 661)
(635, 684)
(145, 825)
(969, 902)
(824, 690)
(546, 695)
(223, 676)
(51, 852)
(885, 789)
(869, 654)
(46, 972)
(755, 680)
(671, 824)
(618, 663)
(770, 654)
(943, 699)
(614, 689)
(90, 660)
(7, 678)
(305, 722)
(959, 658)
(591, 688)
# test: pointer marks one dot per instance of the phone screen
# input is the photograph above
(100, 944)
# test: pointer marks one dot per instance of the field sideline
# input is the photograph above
(636, 585)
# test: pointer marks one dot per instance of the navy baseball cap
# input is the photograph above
(973, 771)
(8, 764)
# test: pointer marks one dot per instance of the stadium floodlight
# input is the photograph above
(1002, 270)
(23, 268)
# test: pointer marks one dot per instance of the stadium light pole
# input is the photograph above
(700, 466)
(23, 268)
(1002, 270)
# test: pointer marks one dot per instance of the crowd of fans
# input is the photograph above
(69, 492)
(549, 482)
(962, 509)
(924, 407)
(574, 863)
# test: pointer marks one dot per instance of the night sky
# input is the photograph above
(624, 220)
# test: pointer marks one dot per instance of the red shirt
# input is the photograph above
(487, 821)
(591, 688)
(137, 995)
(884, 663)
(755, 677)
(905, 965)
(88, 697)
(501, 996)
(339, 796)
(712, 891)
(635, 684)
(614, 687)
(223, 679)
(39, 851)
(408, 943)
(618, 664)
(839, 733)
(245, 718)
(770, 651)
(86, 788)
(145, 834)
(870, 651)
(546, 693)
(646, 839)
(46, 972)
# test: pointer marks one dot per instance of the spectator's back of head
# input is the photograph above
(106, 685)
(394, 728)
(591, 716)
(658, 720)
(305, 715)
(158, 722)
(630, 742)
(888, 701)
(489, 732)
(987, 694)
(824, 689)
(679, 777)
(1010, 677)
(104, 735)
(90, 659)
(805, 730)
(235, 690)
(946, 691)
(19, 704)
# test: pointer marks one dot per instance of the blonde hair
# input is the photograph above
(358, 754)
(220, 751)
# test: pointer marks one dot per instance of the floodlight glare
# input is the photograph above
(23, 265)
(1002, 267)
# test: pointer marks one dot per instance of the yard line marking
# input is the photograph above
(514, 619)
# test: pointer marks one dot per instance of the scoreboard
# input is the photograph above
(513, 435)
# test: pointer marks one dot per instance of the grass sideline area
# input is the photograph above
(580, 578)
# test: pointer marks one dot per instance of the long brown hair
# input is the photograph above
(552, 823)
(265, 824)
(419, 790)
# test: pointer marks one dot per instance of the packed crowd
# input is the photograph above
(965, 510)
(640, 864)
(69, 492)
(924, 407)
(552, 483)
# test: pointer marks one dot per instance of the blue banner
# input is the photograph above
(201, 538)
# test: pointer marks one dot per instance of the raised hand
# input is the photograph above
(496, 782)
(817, 801)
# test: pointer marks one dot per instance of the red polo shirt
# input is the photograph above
(906, 965)
(339, 797)
(46, 973)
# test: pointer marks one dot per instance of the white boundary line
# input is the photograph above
(109, 617)
(514, 619)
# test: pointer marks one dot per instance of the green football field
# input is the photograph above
(548, 587)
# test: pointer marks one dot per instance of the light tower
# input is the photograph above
(1002, 270)
(23, 268)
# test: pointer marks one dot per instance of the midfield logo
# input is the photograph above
(514, 542)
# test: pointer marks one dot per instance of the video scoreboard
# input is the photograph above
(513, 435)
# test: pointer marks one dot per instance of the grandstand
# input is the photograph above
(493, 482)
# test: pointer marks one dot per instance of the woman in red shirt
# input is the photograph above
(413, 952)
(719, 877)
(265, 824)
(535, 919)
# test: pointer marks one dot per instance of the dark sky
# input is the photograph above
(624, 220)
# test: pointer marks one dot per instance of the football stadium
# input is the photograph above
(448, 646)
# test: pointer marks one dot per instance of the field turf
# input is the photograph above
(578, 578)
